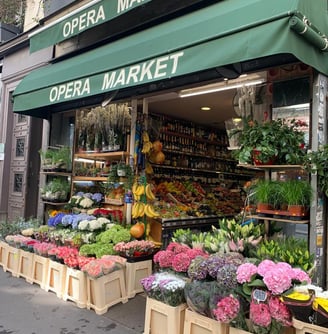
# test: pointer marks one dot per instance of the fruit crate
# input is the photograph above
(25, 264)
(134, 272)
(56, 278)
(196, 323)
(162, 318)
(75, 287)
(106, 291)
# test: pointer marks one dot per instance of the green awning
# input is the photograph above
(88, 16)
(227, 32)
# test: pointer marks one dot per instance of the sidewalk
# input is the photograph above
(27, 309)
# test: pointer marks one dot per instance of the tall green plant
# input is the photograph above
(297, 192)
(265, 191)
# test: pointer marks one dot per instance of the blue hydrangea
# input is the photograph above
(54, 221)
(97, 197)
(68, 220)
(81, 216)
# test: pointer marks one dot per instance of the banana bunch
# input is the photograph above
(150, 212)
(138, 190)
(149, 192)
(147, 144)
(138, 210)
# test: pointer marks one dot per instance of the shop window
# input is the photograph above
(20, 147)
(21, 118)
(18, 182)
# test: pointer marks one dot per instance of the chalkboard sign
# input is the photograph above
(291, 92)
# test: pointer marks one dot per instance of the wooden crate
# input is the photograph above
(11, 260)
(305, 328)
(134, 272)
(3, 247)
(56, 278)
(106, 291)
(75, 287)
(25, 264)
(161, 318)
(195, 323)
(40, 270)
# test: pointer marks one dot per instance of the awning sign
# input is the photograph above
(84, 18)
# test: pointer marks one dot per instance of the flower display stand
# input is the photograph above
(75, 287)
(40, 270)
(135, 271)
(162, 318)
(195, 323)
(306, 328)
(56, 278)
(106, 291)
(3, 247)
(11, 260)
(25, 264)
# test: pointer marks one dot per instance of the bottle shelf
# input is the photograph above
(202, 170)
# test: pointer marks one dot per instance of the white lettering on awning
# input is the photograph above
(84, 21)
(123, 5)
(149, 70)
(70, 90)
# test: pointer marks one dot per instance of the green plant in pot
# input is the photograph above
(265, 195)
(298, 195)
(57, 190)
(271, 142)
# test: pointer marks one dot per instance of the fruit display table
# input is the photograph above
(161, 230)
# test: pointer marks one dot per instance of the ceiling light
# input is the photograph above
(242, 80)
(205, 108)
(218, 87)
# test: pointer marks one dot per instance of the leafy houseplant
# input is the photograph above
(56, 190)
(274, 141)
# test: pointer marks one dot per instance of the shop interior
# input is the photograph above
(212, 107)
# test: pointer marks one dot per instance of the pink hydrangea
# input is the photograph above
(277, 279)
(279, 311)
(165, 259)
(227, 309)
(181, 262)
(194, 252)
(265, 266)
(301, 276)
(259, 314)
(177, 248)
(245, 272)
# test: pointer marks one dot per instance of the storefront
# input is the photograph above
(196, 44)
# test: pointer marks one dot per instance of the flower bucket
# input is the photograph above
(162, 318)
(300, 309)
(258, 162)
